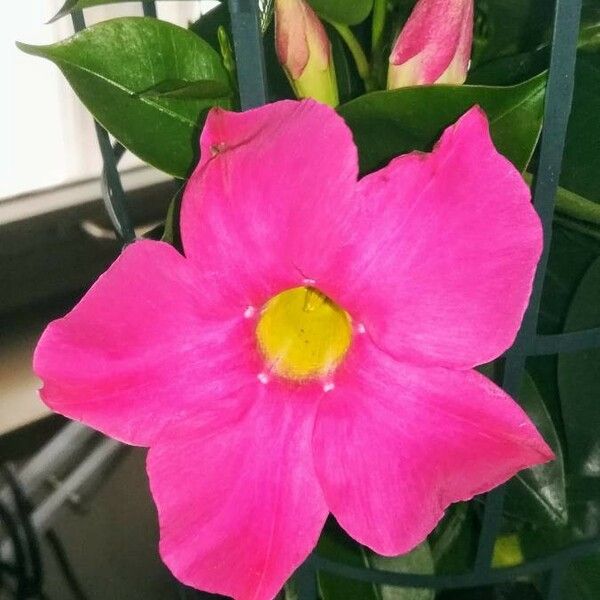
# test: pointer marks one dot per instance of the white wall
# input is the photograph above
(46, 135)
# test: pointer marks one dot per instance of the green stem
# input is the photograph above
(358, 54)
(378, 22)
(227, 55)
(573, 205)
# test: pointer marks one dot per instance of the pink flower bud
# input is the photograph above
(304, 51)
(434, 46)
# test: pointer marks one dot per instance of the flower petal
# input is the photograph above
(240, 507)
(149, 343)
(441, 268)
(272, 189)
(395, 444)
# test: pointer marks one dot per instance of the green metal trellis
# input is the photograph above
(245, 22)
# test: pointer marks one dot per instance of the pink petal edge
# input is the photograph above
(250, 509)
(268, 200)
(441, 266)
(396, 444)
(150, 343)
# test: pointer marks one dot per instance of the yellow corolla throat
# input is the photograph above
(303, 334)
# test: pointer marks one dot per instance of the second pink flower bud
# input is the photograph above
(434, 46)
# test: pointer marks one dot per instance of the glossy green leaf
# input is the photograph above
(336, 545)
(579, 379)
(207, 89)
(538, 495)
(343, 11)
(110, 64)
(386, 124)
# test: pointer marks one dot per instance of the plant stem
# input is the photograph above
(378, 22)
(358, 54)
(573, 205)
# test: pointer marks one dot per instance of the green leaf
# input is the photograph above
(386, 124)
(454, 541)
(571, 254)
(110, 64)
(336, 545)
(538, 495)
(508, 27)
(419, 561)
(582, 580)
(579, 380)
(343, 11)
(511, 70)
(207, 89)
(581, 165)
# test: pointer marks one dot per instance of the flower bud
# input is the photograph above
(304, 51)
(434, 46)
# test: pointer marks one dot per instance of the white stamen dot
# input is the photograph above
(360, 328)
(309, 281)
(263, 378)
(249, 312)
(328, 387)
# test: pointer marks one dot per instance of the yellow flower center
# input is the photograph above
(303, 334)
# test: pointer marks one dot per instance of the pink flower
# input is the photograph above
(434, 46)
(312, 352)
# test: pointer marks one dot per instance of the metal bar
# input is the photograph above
(559, 96)
(113, 194)
(249, 52)
(572, 341)
(462, 580)
(83, 474)
(554, 591)
(149, 7)
(492, 520)
(59, 451)
(89, 468)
